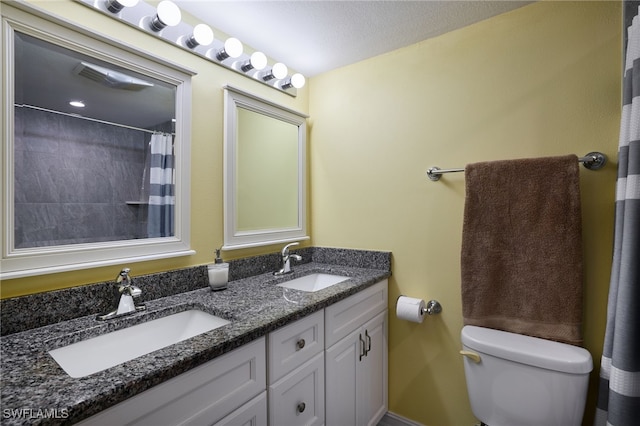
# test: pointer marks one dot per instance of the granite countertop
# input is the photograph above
(33, 382)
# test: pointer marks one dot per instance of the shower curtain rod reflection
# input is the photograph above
(591, 161)
(89, 118)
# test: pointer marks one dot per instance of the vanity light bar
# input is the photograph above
(165, 22)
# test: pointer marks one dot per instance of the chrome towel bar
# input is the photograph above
(592, 161)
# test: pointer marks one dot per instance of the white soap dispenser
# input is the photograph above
(218, 273)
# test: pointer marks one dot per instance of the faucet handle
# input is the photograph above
(125, 284)
(123, 280)
(123, 275)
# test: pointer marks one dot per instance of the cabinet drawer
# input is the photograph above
(298, 398)
(294, 344)
(202, 395)
(253, 413)
(349, 314)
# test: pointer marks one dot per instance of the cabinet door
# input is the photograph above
(372, 397)
(356, 376)
(298, 398)
(342, 378)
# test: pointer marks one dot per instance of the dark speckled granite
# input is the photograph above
(255, 305)
(17, 314)
(243, 268)
(350, 257)
(256, 265)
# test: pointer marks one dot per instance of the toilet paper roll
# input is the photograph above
(410, 309)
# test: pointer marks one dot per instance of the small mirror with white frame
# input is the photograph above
(264, 172)
(65, 203)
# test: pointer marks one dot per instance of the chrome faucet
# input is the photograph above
(125, 293)
(286, 260)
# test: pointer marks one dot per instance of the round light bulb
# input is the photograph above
(298, 80)
(116, 6)
(258, 60)
(279, 70)
(233, 47)
(202, 34)
(77, 104)
(168, 13)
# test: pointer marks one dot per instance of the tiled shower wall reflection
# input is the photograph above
(73, 179)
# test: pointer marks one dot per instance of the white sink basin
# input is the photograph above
(99, 353)
(313, 282)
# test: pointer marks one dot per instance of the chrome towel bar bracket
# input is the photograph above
(592, 161)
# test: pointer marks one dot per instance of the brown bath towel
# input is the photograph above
(522, 247)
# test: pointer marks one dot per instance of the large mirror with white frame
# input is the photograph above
(96, 149)
(265, 172)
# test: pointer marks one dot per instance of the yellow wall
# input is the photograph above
(267, 172)
(206, 150)
(541, 80)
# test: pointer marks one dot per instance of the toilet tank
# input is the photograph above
(522, 380)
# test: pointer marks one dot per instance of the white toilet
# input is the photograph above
(516, 380)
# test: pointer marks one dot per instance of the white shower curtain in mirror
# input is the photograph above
(161, 187)
(619, 392)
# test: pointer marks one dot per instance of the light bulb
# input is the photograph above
(115, 6)
(232, 49)
(257, 61)
(202, 35)
(167, 14)
(279, 70)
(77, 104)
(298, 80)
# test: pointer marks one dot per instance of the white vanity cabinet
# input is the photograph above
(295, 356)
(328, 368)
(356, 358)
(221, 391)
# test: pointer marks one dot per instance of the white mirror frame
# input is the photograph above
(233, 239)
(16, 263)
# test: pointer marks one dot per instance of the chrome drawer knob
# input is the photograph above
(300, 344)
(301, 407)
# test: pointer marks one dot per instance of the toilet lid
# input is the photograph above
(527, 350)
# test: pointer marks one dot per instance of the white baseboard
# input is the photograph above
(392, 419)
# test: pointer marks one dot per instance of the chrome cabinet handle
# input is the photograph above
(362, 347)
(300, 344)
(366, 333)
(301, 407)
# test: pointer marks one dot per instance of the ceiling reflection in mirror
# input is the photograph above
(85, 174)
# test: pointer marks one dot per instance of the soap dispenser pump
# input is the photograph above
(218, 273)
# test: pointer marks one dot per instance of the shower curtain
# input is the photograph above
(619, 393)
(161, 187)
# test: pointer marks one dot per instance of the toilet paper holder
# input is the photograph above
(433, 307)
(414, 310)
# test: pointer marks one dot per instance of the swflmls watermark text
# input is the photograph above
(32, 414)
